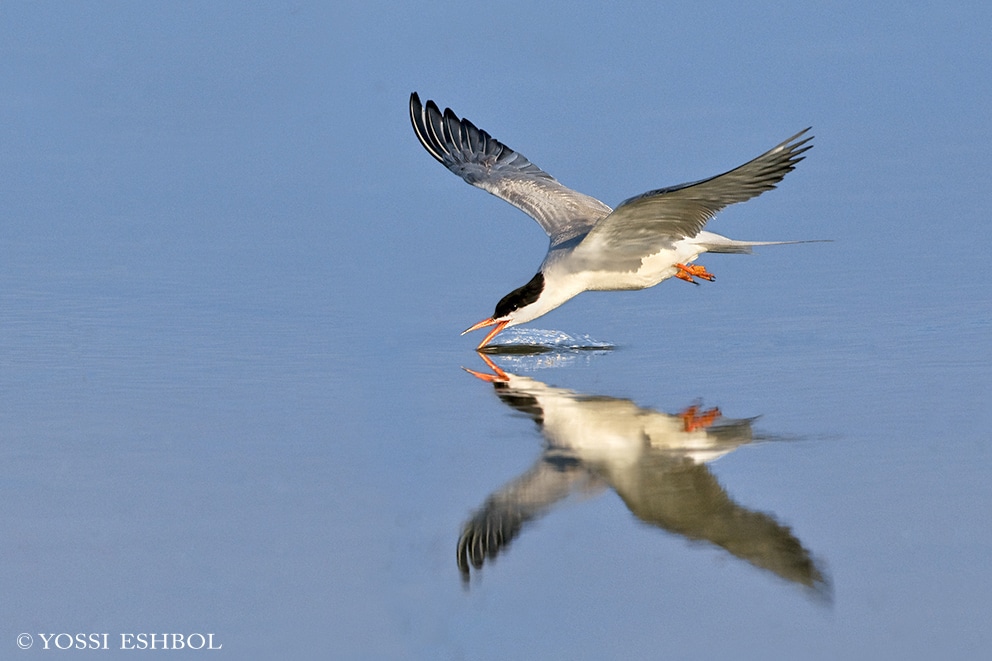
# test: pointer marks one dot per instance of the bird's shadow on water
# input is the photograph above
(656, 462)
(536, 349)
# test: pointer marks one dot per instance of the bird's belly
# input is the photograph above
(653, 269)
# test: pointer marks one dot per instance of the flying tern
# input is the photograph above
(647, 239)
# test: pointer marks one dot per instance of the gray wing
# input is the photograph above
(483, 161)
(685, 498)
(647, 223)
(505, 512)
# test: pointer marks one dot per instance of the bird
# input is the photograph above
(647, 239)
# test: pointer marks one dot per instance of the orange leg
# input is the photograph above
(692, 419)
(687, 271)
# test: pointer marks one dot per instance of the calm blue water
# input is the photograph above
(232, 386)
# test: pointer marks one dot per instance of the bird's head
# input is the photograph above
(519, 306)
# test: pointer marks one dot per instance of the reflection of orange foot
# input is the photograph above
(687, 271)
(692, 419)
(499, 375)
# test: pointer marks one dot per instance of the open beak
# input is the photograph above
(499, 326)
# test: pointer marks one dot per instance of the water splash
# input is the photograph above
(535, 340)
(527, 349)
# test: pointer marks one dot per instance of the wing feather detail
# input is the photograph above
(647, 223)
(486, 163)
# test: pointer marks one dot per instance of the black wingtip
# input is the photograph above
(421, 117)
(415, 105)
(415, 108)
(805, 143)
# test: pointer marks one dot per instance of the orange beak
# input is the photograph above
(500, 325)
(498, 375)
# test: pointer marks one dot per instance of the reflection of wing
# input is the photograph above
(685, 498)
(499, 520)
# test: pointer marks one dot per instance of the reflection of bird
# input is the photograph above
(654, 461)
(647, 239)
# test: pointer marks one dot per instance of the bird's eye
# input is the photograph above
(520, 297)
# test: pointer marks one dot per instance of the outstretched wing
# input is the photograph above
(483, 161)
(505, 512)
(645, 224)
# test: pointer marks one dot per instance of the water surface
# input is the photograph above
(235, 399)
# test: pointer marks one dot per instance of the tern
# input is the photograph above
(645, 240)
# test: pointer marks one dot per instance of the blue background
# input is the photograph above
(231, 286)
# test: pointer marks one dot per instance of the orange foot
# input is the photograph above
(692, 419)
(686, 272)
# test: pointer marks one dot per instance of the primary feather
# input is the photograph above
(486, 163)
(645, 224)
